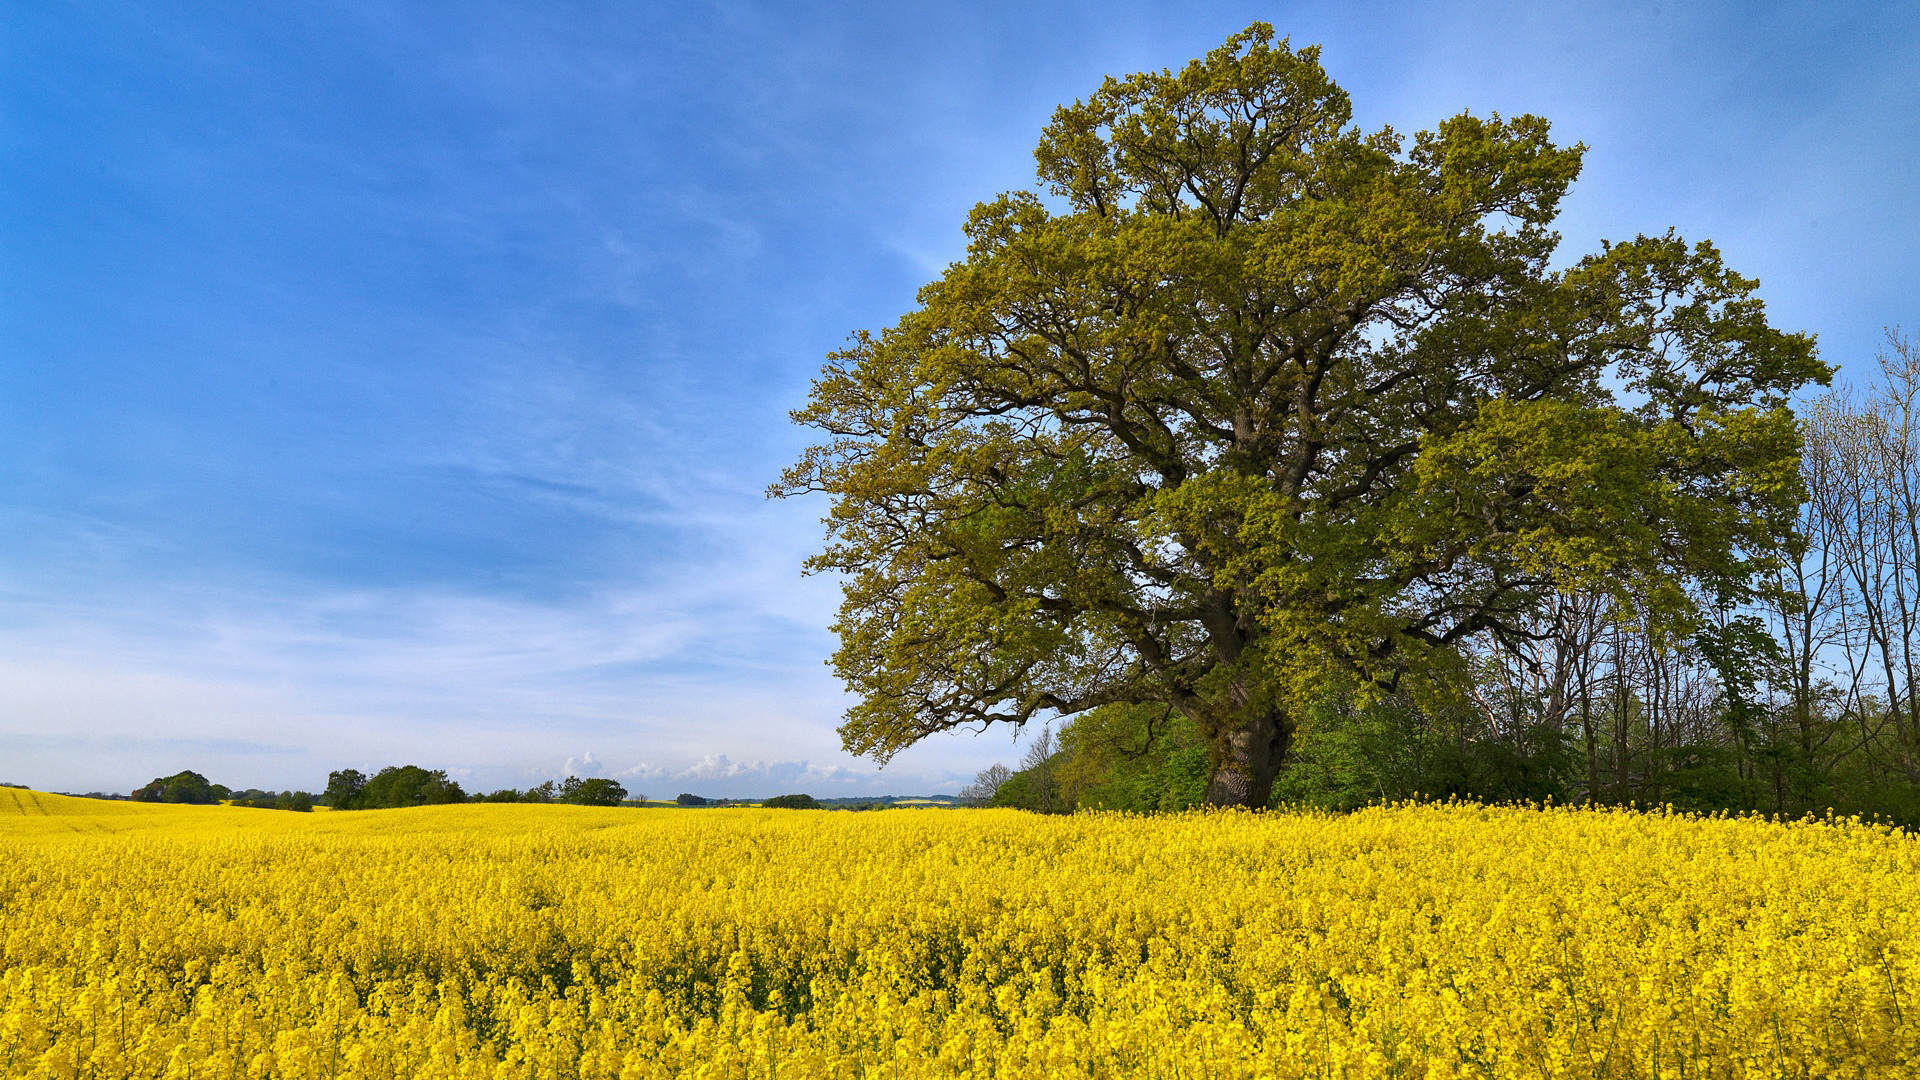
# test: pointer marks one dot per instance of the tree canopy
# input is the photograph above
(592, 791)
(1242, 401)
(185, 786)
(391, 787)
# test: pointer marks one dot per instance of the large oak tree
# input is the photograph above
(1242, 400)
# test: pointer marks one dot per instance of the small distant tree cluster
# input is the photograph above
(592, 791)
(394, 786)
(185, 786)
(544, 792)
(792, 802)
(391, 787)
(297, 801)
(190, 787)
(686, 799)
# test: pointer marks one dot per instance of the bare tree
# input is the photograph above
(1038, 765)
(986, 783)
(1538, 674)
(1864, 471)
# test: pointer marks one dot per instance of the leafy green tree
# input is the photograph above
(689, 799)
(407, 785)
(1351, 754)
(1141, 758)
(343, 789)
(185, 786)
(255, 798)
(1245, 398)
(592, 791)
(1024, 790)
(1036, 784)
(792, 802)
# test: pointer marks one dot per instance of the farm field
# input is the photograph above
(559, 941)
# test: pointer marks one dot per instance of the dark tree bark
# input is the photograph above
(1248, 760)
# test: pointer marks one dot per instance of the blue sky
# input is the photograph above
(388, 382)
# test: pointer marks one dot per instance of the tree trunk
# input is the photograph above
(1247, 761)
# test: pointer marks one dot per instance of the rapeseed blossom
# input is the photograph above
(569, 942)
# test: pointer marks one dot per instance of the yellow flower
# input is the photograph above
(535, 941)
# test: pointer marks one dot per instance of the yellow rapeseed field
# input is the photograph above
(555, 941)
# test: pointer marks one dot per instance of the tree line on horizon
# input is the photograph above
(392, 787)
(190, 787)
(412, 785)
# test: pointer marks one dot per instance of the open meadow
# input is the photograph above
(558, 941)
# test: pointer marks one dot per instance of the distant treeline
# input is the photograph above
(188, 786)
(411, 785)
(391, 787)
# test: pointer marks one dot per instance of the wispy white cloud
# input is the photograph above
(717, 775)
(663, 683)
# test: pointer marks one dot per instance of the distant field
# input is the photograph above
(560, 941)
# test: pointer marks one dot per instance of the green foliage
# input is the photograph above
(409, 785)
(689, 799)
(185, 786)
(986, 784)
(1257, 399)
(391, 787)
(297, 801)
(1137, 758)
(1150, 759)
(191, 787)
(343, 788)
(1351, 755)
(592, 791)
(792, 802)
(577, 790)
(1023, 790)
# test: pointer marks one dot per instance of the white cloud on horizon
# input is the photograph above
(277, 691)
(717, 775)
